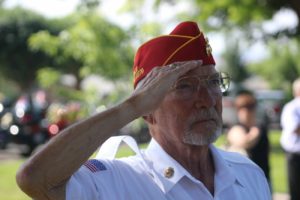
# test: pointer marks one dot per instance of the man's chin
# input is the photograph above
(201, 139)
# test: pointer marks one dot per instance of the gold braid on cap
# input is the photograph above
(138, 71)
(180, 47)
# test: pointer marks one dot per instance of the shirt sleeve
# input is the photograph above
(290, 119)
(81, 186)
(264, 186)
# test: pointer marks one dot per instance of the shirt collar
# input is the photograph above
(224, 173)
(160, 161)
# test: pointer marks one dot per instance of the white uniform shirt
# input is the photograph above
(290, 120)
(141, 177)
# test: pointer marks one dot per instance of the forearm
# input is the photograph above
(47, 172)
(64, 154)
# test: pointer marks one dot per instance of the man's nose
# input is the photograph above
(205, 97)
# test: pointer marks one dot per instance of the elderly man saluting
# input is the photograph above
(178, 92)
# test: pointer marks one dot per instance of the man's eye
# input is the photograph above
(214, 82)
(184, 85)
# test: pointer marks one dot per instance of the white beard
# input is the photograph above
(201, 139)
(213, 129)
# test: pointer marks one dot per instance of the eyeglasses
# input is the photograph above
(185, 87)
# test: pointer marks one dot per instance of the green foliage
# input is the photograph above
(226, 13)
(47, 77)
(132, 6)
(44, 40)
(1, 3)
(282, 67)
(230, 12)
(91, 45)
(247, 14)
(8, 87)
(233, 63)
(88, 5)
(17, 61)
(142, 28)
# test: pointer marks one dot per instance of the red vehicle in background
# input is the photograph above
(31, 121)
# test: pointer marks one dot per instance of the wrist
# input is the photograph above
(133, 107)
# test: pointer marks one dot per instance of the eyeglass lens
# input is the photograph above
(186, 86)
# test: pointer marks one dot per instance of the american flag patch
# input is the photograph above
(94, 165)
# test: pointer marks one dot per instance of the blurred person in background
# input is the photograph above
(290, 140)
(178, 92)
(250, 135)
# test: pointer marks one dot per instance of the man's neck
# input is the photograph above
(197, 160)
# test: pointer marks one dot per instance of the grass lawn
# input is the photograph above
(8, 186)
(10, 191)
(278, 164)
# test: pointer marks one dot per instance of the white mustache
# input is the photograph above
(205, 114)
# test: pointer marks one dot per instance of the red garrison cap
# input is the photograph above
(185, 42)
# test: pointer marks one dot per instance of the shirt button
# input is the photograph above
(169, 172)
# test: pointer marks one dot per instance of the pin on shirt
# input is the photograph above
(169, 172)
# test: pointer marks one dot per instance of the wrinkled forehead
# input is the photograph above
(205, 70)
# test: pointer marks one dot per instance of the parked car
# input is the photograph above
(27, 126)
(6, 119)
(271, 103)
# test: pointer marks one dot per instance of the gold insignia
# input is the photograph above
(169, 172)
(137, 73)
(208, 47)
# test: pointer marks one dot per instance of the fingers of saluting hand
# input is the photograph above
(158, 82)
(168, 74)
(178, 66)
(183, 67)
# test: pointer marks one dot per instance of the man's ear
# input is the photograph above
(149, 118)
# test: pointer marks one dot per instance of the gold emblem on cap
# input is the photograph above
(169, 172)
(137, 73)
(208, 47)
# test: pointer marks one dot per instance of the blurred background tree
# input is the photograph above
(17, 62)
(248, 15)
(282, 66)
(34, 48)
(86, 42)
(233, 61)
(242, 23)
(92, 45)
